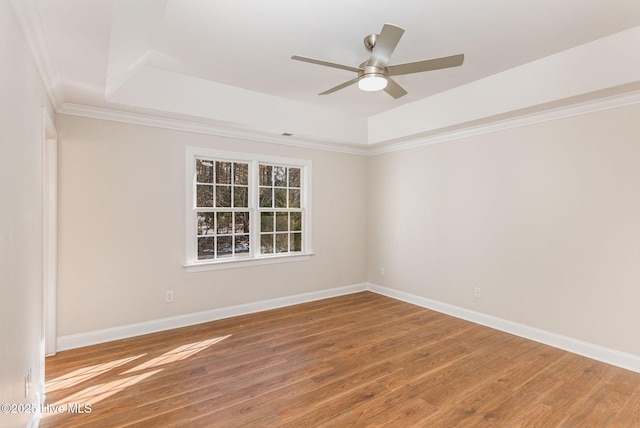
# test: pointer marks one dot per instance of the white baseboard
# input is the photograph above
(596, 352)
(34, 420)
(35, 417)
(131, 330)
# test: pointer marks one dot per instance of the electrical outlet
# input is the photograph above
(168, 296)
(381, 271)
(477, 291)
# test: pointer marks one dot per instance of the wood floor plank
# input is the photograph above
(606, 400)
(630, 412)
(360, 360)
(511, 381)
(516, 408)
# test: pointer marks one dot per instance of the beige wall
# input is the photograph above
(122, 227)
(544, 218)
(20, 218)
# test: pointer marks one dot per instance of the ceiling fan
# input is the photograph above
(374, 74)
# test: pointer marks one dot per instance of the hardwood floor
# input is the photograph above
(356, 360)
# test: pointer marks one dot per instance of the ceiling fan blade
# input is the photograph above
(325, 63)
(426, 65)
(393, 89)
(340, 86)
(385, 45)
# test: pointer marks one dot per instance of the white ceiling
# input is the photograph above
(158, 56)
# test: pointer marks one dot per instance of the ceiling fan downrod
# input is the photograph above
(370, 41)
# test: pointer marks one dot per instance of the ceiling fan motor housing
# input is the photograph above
(371, 70)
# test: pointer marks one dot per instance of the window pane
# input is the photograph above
(294, 198)
(266, 172)
(206, 248)
(296, 242)
(241, 197)
(224, 223)
(266, 200)
(204, 197)
(266, 222)
(294, 177)
(241, 173)
(204, 171)
(280, 197)
(205, 224)
(280, 176)
(241, 244)
(223, 196)
(295, 220)
(223, 172)
(224, 246)
(282, 242)
(266, 243)
(242, 222)
(282, 222)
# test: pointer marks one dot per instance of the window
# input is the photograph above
(222, 208)
(246, 209)
(280, 210)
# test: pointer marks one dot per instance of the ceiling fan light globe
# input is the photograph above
(372, 82)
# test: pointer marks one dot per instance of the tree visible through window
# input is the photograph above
(280, 210)
(222, 207)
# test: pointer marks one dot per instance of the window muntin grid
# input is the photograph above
(280, 208)
(223, 217)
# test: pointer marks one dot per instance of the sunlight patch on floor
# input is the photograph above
(180, 353)
(84, 374)
(97, 393)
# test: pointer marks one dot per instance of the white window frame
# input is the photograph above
(192, 264)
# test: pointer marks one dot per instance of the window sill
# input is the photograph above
(239, 263)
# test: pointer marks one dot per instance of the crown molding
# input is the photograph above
(577, 109)
(606, 103)
(30, 21)
(202, 128)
